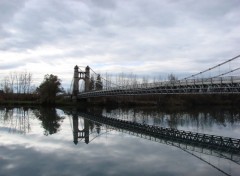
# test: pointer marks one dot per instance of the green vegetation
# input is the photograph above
(99, 84)
(17, 89)
(49, 88)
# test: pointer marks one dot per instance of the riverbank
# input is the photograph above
(144, 100)
(169, 100)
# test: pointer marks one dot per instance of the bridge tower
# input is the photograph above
(81, 75)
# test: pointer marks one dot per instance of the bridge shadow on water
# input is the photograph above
(187, 141)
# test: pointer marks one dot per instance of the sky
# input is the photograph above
(143, 37)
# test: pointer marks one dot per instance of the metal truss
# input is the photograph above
(219, 85)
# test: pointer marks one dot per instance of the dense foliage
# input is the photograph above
(49, 89)
(99, 84)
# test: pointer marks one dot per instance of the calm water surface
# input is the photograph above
(41, 141)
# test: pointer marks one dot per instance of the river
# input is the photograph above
(53, 141)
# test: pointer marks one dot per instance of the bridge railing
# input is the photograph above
(199, 84)
(198, 81)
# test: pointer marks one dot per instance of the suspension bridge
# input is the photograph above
(223, 78)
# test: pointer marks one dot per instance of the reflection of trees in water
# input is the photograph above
(50, 119)
(200, 118)
(94, 125)
(16, 120)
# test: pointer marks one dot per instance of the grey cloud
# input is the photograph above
(11, 65)
(124, 31)
(209, 10)
(39, 24)
(105, 4)
(15, 64)
(9, 9)
(45, 24)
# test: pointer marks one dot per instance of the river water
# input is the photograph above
(50, 141)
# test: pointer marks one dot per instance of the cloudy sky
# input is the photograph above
(151, 37)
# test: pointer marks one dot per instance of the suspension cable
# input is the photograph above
(104, 78)
(226, 72)
(71, 86)
(213, 67)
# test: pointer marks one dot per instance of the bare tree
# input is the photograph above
(99, 84)
(18, 82)
(26, 80)
(145, 81)
(12, 81)
(29, 82)
(92, 83)
(172, 78)
(5, 85)
(133, 80)
(107, 81)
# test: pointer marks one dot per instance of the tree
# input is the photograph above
(5, 85)
(172, 78)
(18, 82)
(99, 84)
(91, 85)
(49, 89)
(145, 81)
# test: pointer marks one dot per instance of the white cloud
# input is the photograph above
(48, 37)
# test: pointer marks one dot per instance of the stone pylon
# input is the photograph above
(75, 81)
(80, 75)
(87, 79)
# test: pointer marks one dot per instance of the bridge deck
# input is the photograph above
(195, 86)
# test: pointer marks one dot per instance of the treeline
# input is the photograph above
(98, 82)
(18, 87)
(18, 83)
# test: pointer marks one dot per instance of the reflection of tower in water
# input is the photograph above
(80, 134)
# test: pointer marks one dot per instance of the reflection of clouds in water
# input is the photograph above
(111, 155)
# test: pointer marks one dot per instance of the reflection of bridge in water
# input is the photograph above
(222, 147)
(190, 142)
